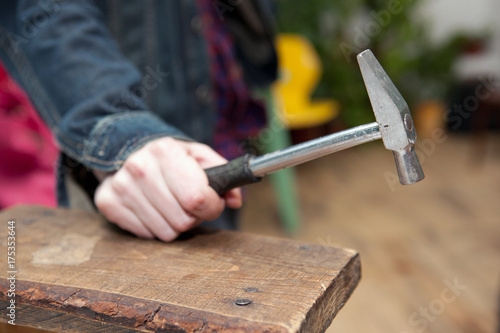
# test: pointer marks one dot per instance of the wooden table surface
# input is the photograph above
(77, 273)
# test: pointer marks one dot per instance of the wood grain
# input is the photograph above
(412, 239)
(76, 263)
(55, 321)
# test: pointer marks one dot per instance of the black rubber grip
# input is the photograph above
(234, 174)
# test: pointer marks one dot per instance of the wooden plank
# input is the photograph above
(54, 321)
(77, 263)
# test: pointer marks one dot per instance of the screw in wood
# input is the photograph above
(242, 302)
(251, 290)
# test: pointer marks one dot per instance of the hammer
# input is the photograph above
(394, 126)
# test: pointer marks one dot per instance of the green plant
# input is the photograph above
(341, 29)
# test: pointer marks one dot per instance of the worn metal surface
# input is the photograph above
(393, 117)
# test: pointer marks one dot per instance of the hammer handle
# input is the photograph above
(233, 174)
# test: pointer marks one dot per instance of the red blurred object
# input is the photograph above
(474, 46)
(28, 153)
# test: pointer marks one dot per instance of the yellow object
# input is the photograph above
(300, 71)
(429, 116)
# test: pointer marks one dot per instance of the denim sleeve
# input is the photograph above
(63, 55)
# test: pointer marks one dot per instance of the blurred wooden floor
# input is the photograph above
(415, 241)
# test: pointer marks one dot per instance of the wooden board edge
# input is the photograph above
(127, 312)
(56, 321)
(326, 307)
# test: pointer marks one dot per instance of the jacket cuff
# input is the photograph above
(116, 136)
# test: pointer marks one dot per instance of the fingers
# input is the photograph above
(110, 205)
(233, 198)
(189, 184)
(154, 191)
(162, 190)
(208, 158)
(203, 154)
(123, 203)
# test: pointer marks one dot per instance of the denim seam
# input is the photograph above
(122, 154)
(103, 127)
(25, 70)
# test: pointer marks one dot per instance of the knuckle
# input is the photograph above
(107, 206)
(201, 146)
(135, 167)
(119, 184)
(160, 146)
(157, 147)
(193, 201)
(102, 197)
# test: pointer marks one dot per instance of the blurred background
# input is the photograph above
(430, 252)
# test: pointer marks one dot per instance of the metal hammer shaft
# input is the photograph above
(307, 151)
(250, 169)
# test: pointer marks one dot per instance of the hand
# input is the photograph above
(161, 190)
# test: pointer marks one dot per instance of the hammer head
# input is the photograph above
(393, 117)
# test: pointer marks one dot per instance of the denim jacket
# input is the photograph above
(110, 76)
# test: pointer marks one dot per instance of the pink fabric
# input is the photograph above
(28, 153)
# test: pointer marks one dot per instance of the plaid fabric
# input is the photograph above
(239, 116)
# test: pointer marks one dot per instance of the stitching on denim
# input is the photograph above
(103, 127)
(65, 141)
(122, 155)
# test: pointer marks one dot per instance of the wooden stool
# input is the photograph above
(75, 272)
